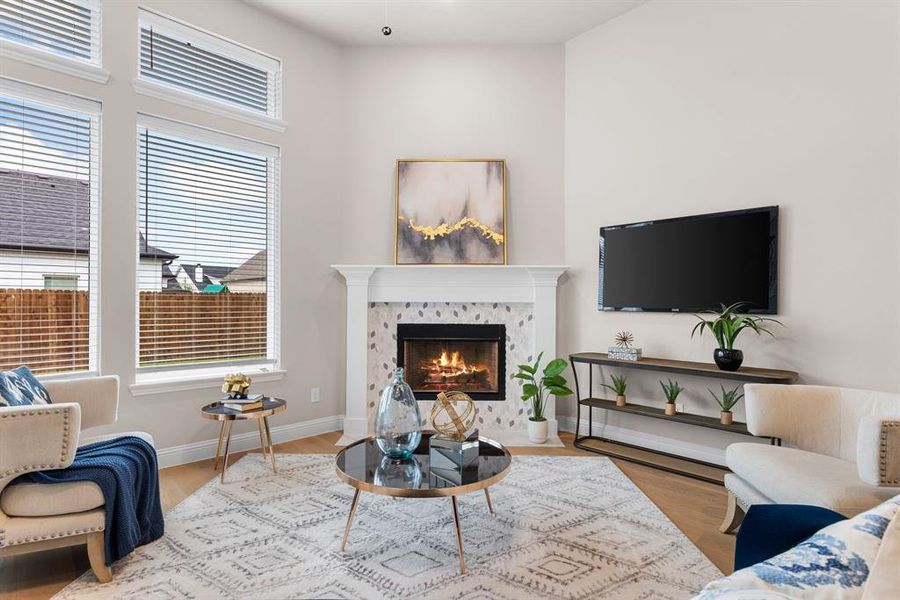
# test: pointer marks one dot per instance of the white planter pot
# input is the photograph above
(537, 431)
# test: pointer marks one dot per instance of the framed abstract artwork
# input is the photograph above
(450, 212)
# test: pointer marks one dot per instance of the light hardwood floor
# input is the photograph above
(696, 507)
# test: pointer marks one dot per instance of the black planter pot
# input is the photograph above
(728, 360)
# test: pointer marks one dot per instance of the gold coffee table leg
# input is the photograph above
(219, 444)
(271, 445)
(350, 518)
(487, 496)
(459, 544)
(227, 444)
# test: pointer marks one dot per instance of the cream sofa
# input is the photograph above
(844, 450)
(37, 517)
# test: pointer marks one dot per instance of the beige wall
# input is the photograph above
(678, 108)
(312, 297)
(456, 101)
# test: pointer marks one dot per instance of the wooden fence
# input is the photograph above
(48, 329)
(178, 327)
(44, 329)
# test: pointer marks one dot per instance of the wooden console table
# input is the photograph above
(640, 454)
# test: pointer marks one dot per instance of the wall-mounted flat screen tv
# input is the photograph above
(692, 263)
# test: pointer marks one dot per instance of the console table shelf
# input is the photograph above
(651, 411)
(745, 374)
(645, 455)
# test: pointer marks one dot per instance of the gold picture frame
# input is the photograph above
(435, 225)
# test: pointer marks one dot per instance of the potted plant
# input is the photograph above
(726, 327)
(727, 401)
(538, 388)
(671, 390)
(618, 386)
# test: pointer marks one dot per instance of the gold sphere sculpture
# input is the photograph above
(453, 415)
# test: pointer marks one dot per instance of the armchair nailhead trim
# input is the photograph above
(64, 450)
(54, 536)
(883, 454)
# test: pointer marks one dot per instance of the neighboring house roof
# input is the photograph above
(38, 212)
(212, 274)
(253, 269)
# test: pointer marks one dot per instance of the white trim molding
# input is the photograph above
(249, 440)
(164, 92)
(148, 384)
(426, 283)
(48, 60)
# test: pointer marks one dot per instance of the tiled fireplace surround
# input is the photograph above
(379, 297)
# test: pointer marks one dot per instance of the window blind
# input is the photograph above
(200, 63)
(49, 192)
(68, 28)
(213, 205)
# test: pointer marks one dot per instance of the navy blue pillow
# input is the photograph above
(20, 387)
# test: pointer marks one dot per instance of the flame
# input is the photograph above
(454, 361)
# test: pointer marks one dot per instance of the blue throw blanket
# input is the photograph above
(125, 469)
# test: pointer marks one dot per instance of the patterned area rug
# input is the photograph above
(565, 527)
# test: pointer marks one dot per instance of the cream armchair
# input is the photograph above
(844, 454)
(37, 517)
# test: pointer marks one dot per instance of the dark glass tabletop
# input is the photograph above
(364, 466)
(219, 412)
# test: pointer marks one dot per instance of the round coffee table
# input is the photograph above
(226, 416)
(365, 467)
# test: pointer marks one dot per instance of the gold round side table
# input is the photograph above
(226, 416)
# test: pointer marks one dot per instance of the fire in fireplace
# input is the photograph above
(452, 357)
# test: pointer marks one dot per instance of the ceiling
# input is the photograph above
(444, 22)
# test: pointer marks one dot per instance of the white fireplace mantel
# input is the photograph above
(535, 284)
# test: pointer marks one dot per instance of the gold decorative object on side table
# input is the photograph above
(226, 417)
(236, 385)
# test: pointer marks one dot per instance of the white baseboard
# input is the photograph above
(648, 440)
(249, 440)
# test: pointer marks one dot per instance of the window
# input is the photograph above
(49, 198)
(60, 282)
(202, 65)
(58, 34)
(210, 200)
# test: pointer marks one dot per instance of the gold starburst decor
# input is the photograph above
(453, 415)
(624, 339)
(236, 385)
(624, 349)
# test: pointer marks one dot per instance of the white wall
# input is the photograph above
(458, 101)
(312, 324)
(678, 108)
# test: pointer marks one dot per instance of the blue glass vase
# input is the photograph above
(398, 425)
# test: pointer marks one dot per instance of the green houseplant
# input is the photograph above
(671, 391)
(727, 325)
(537, 389)
(727, 400)
(619, 385)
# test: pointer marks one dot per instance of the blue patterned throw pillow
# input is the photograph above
(20, 387)
(832, 564)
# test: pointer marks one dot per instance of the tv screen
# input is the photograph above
(692, 263)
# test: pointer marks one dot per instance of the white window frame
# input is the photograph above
(155, 380)
(94, 108)
(92, 70)
(226, 47)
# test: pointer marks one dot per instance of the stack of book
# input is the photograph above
(251, 402)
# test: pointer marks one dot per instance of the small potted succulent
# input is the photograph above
(727, 401)
(619, 383)
(726, 327)
(671, 390)
(538, 388)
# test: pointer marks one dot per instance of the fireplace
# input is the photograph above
(468, 358)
